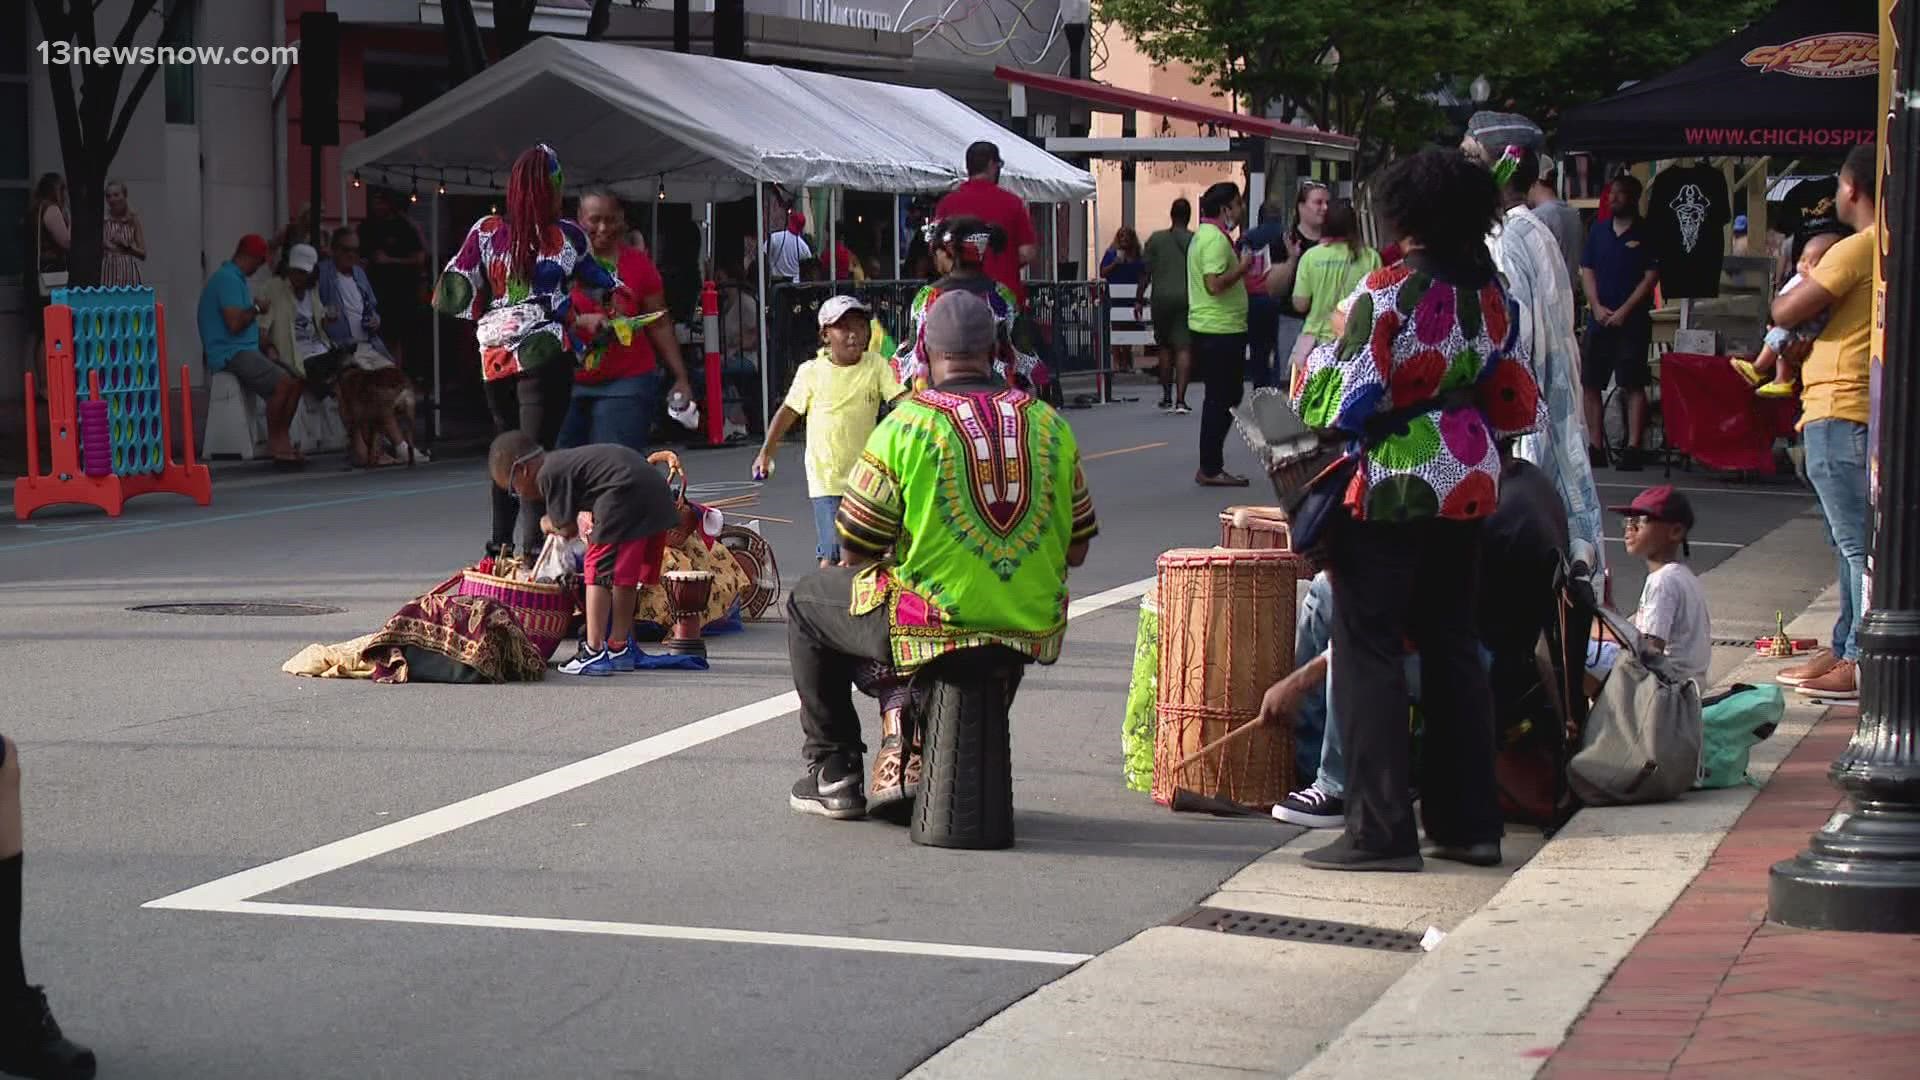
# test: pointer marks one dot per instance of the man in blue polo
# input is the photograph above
(230, 336)
(1618, 270)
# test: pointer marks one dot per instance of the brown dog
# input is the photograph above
(376, 403)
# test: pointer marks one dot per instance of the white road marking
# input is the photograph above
(1695, 543)
(1743, 491)
(235, 892)
(715, 934)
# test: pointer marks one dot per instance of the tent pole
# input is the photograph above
(653, 230)
(433, 260)
(343, 207)
(706, 268)
(760, 272)
(833, 238)
(899, 231)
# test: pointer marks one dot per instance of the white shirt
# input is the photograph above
(785, 252)
(307, 337)
(353, 305)
(1673, 608)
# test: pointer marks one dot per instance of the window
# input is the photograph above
(16, 176)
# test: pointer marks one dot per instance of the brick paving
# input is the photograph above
(1716, 991)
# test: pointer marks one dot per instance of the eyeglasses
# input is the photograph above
(523, 459)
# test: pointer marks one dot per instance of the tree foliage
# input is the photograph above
(1398, 62)
(92, 115)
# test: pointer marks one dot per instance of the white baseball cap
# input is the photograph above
(839, 307)
(303, 257)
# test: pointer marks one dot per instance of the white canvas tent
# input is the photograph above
(706, 129)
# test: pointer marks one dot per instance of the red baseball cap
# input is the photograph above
(796, 220)
(255, 245)
(1661, 503)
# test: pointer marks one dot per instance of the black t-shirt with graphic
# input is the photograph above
(1688, 211)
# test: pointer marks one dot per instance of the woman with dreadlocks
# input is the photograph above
(960, 246)
(513, 276)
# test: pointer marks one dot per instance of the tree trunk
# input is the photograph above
(512, 24)
(86, 195)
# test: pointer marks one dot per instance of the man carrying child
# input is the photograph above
(611, 497)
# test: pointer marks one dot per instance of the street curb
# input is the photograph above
(1477, 1006)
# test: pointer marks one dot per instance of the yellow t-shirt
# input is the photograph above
(1834, 378)
(842, 407)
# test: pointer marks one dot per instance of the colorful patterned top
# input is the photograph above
(1020, 368)
(979, 494)
(1410, 337)
(522, 323)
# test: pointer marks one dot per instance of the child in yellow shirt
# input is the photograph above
(839, 392)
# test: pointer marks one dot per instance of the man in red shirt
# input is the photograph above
(982, 197)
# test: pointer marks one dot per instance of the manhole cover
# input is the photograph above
(1291, 928)
(237, 607)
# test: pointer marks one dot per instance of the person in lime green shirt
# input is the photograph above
(1329, 272)
(967, 509)
(840, 393)
(1217, 316)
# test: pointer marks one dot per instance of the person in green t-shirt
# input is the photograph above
(964, 514)
(1164, 282)
(1329, 272)
(1217, 316)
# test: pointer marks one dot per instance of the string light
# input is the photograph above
(442, 190)
(662, 196)
(356, 178)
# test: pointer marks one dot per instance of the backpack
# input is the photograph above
(1731, 723)
(1642, 742)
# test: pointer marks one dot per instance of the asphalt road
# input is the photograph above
(656, 911)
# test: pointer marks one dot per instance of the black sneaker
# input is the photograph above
(1342, 855)
(31, 1044)
(831, 788)
(1485, 853)
(1312, 808)
(1596, 457)
(1632, 459)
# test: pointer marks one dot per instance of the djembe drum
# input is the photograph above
(688, 592)
(1226, 636)
(1253, 528)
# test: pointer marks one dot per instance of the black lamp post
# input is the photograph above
(1862, 870)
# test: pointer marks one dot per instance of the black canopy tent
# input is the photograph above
(1801, 81)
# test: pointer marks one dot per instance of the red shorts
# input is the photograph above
(628, 563)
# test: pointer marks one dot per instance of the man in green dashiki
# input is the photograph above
(976, 490)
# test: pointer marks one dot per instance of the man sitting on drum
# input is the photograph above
(976, 489)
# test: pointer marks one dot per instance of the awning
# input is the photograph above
(635, 119)
(1119, 98)
(1803, 80)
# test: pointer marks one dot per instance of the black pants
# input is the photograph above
(825, 644)
(535, 403)
(1263, 338)
(1220, 362)
(1391, 583)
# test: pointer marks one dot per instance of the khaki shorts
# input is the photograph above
(1170, 325)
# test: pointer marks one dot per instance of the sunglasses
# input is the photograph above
(523, 459)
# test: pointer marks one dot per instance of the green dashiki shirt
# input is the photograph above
(978, 493)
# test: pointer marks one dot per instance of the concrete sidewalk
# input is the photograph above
(1528, 946)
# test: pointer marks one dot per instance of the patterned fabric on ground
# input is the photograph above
(470, 630)
(342, 661)
(978, 495)
(690, 548)
(1410, 337)
(1142, 716)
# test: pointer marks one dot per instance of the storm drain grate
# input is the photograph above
(1291, 928)
(241, 607)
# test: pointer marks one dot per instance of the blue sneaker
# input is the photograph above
(589, 662)
(627, 659)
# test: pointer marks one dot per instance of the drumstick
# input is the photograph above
(1220, 743)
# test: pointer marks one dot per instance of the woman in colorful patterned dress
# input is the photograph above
(960, 246)
(1426, 380)
(513, 277)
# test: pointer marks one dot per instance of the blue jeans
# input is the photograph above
(1837, 466)
(825, 507)
(620, 412)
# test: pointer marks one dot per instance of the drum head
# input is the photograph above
(755, 557)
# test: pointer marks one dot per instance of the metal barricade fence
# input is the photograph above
(1067, 324)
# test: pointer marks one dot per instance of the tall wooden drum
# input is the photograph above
(1226, 636)
(1253, 528)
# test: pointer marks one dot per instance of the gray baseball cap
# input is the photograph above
(960, 322)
